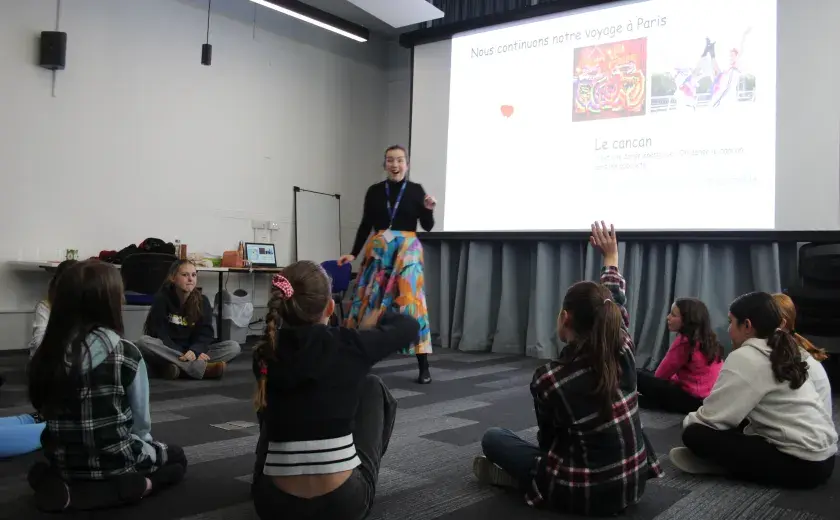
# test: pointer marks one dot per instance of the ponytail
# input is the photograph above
(263, 353)
(816, 352)
(603, 349)
(786, 359)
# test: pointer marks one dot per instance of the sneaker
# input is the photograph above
(215, 370)
(685, 460)
(488, 473)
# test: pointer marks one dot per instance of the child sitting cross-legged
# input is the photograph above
(593, 457)
(91, 387)
(768, 418)
(690, 368)
(325, 421)
(20, 434)
(178, 338)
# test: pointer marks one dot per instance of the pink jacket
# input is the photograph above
(688, 368)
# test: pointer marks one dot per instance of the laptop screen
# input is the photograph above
(261, 254)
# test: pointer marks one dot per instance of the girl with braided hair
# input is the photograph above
(325, 420)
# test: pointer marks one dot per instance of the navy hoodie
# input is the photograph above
(167, 322)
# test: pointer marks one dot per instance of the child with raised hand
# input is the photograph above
(91, 387)
(690, 368)
(593, 457)
(178, 331)
(325, 421)
(766, 420)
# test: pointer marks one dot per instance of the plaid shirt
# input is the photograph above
(594, 465)
(91, 438)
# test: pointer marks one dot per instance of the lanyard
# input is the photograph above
(392, 212)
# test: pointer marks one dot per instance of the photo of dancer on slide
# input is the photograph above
(717, 80)
(610, 80)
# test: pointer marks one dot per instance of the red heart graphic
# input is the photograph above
(507, 110)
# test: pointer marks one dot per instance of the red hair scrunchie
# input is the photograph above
(282, 284)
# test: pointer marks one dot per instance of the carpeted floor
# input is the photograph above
(427, 470)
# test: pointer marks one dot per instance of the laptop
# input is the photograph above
(260, 255)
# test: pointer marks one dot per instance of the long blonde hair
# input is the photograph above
(788, 311)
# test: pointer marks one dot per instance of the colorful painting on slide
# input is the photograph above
(610, 80)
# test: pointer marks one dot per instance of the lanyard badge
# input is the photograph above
(392, 212)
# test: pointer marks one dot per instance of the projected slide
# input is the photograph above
(654, 115)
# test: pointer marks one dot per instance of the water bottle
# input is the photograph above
(178, 247)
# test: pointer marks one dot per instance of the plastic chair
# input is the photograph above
(340, 276)
(143, 274)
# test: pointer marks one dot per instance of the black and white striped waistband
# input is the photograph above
(321, 457)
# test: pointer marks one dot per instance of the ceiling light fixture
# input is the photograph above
(324, 20)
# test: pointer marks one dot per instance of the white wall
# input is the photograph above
(142, 140)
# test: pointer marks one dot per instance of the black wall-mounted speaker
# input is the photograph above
(53, 51)
(206, 54)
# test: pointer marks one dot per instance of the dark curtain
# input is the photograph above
(505, 296)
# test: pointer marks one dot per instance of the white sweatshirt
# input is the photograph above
(39, 326)
(798, 422)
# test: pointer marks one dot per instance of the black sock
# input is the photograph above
(423, 362)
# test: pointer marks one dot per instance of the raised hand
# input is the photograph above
(604, 240)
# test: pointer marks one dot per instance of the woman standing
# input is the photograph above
(391, 277)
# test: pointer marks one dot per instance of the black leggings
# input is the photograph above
(374, 424)
(751, 458)
(662, 394)
(51, 491)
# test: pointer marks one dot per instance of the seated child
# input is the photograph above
(91, 387)
(768, 419)
(690, 368)
(21, 434)
(593, 457)
(325, 421)
(788, 310)
(179, 330)
(815, 357)
(42, 309)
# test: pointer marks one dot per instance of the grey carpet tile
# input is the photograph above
(429, 411)
(401, 393)
(426, 472)
(183, 403)
(165, 388)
